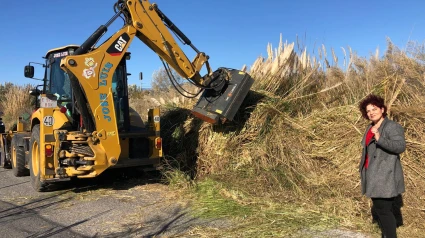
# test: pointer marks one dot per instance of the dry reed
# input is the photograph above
(16, 102)
(300, 142)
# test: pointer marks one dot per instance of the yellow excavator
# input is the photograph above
(82, 123)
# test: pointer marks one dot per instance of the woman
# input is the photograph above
(381, 173)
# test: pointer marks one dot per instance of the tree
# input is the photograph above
(161, 82)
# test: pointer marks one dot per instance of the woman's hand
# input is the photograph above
(376, 133)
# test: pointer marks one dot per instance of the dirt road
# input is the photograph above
(118, 204)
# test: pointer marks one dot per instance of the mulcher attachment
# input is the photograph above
(220, 105)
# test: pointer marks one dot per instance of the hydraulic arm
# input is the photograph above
(91, 68)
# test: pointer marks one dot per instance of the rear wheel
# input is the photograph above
(3, 159)
(3, 162)
(34, 163)
(18, 158)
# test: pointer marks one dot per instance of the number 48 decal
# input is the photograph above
(48, 121)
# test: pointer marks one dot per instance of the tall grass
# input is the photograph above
(142, 100)
(298, 142)
(16, 102)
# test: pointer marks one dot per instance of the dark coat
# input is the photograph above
(384, 177)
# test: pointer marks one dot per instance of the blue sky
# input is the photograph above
(232, 33)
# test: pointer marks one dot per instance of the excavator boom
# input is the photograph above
(222, 90)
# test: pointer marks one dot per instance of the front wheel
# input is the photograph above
(34, 162)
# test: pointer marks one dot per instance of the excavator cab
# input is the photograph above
(57, 83)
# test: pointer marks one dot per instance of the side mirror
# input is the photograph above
(29, 71)
(140, 75)
(35, 92)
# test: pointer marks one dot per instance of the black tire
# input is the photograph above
(18, 158)
(3, 163)
(5, 157)
(34, 161)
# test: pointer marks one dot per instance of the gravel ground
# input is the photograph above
(117, 204)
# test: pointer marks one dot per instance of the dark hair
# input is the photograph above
(374, 100)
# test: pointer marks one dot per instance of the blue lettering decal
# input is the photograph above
(104, 82)
(104, 74)
(105, 106)
(105, 110)
(107, 67)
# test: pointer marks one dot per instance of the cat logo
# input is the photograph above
(117, 47)
(121, 43)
